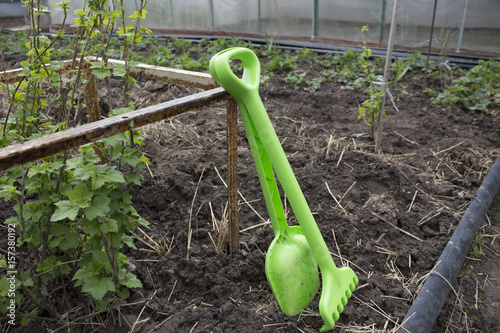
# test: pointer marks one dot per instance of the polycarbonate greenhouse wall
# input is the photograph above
(471, 24)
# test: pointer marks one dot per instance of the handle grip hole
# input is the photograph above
(236, 67)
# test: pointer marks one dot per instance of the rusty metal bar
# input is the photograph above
(232, 172)
(165, 74)
(38, 148)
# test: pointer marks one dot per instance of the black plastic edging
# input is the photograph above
(427, 306)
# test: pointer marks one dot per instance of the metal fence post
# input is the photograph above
(461, 33)
(315, 20)
(232, 172)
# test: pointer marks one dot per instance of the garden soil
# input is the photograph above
(388, 216)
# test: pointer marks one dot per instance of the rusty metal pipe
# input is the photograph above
(232, 173)
(38, 148)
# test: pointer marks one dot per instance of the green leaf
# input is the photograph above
(111, 140)
(133, 178)
(99, 207)
(65, 210)
(97, 287)
(110, 176)
(8, 192)
(80, 195)
(119, 71)
(115, 176)
(90, 227)
(83, 273)
(136, 14)
(131, 281)
(109, 226)
(25, 321)
(101, 73)
(129, 241)
(4, 286)
(142, 221)
(101, 258)
(123, 293)
(71, 240)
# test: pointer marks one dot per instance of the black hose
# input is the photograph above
(427, 306)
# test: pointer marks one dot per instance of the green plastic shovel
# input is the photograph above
(292, 256)
(291, 269)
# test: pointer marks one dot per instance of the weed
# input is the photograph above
(477, 248)
(464, 272)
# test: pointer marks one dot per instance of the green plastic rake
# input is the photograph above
(294, 255)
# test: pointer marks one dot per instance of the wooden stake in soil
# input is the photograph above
(388, 58)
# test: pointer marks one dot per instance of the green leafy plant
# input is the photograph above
(370, 109)
(269, 50)
(14, 43)
(297, 79)
(306, 55)
(477, 90)
(281, 63)
(72, 210)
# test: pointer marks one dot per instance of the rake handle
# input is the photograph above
(265, 173)
(288, 180)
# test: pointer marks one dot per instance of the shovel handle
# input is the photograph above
(248, 85)
(245, 90)
(222, 73)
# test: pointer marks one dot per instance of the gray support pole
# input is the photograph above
(430, 42)
(171, 14)
(212, 23)
(382, 24)
(390, 44)
(315, 20)
(461, 33)
(260, 18)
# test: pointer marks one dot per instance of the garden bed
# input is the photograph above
(391, 217)
(433, 162)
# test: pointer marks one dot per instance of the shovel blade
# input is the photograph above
(292, 271)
